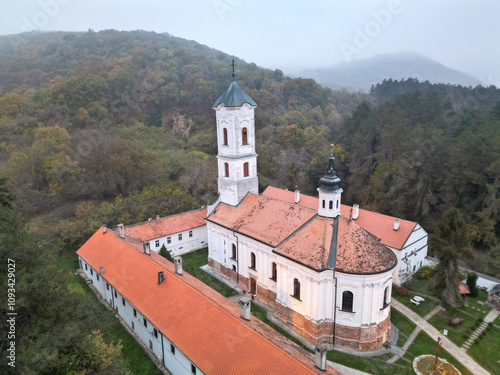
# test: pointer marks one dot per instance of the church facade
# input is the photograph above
(325, 276)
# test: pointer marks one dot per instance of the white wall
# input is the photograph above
(188, 244)
(177, 363)
(415, 251)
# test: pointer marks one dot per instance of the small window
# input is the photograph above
(172, 349)
(386, 298)
(337, 204)
(252, 261)
(169, 240)
(180, 237)
(190, 233)
(347, 301)
(150, 345)
(233, 252)
(107, 286)
(414, 267)
(296, 288)
(145, 322)
(245, 170)
(91, 272)
(323, 203)
(133, 325)
(193, 369)
(157, 243)
(226, 170)
(225, 136)
(116, 295)
(331, 205)
(86, 268)
(234, 268)
(135, 313)
(123, 301)
(274, 272)
(244, 136)
(97, 277)
(80, 261)
(155, 332)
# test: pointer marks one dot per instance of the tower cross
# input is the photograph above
(437, 352)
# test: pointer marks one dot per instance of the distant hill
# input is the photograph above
(362, 74)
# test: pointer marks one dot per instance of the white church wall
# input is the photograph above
(412, 256)
(189, 240)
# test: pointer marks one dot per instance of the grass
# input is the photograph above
(422, 309)
(261, 313)
(487, 351)
(405, 326)
(424, 344)
(373, 365)
(478, 308)
(193, 261)
(441, 321)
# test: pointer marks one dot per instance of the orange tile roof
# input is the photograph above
(267, 220)
(377, 224)
(165, 226)
(357, 250)
(463, 288)
(213, 339)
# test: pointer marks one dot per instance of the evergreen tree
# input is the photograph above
(471, 283)
(450, 242)
(165, 253)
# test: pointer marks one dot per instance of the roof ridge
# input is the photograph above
(164, 217)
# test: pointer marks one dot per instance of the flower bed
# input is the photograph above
(424, 365)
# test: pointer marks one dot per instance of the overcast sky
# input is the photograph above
(291, 34)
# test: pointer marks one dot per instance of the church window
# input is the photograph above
(145, 322)
(323, 203)
(234, 268)
(225, 136)
(226, 170)
(252, 261)
(169, 240)
(245, 170)
(172, 349)
(386, 298)
(296, 288)
(190, 233)
(233, 252)
(193, 369)
(155, 332)
(157, 243)
(274, 271)
(331, 205)
(347, 301)
(180, 237)
(244, 136)
(337, 204)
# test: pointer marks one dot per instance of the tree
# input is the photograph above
(471, 283)
(165, 253)
(6, 196)
(450, 241)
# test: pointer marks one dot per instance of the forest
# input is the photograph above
(116, 127)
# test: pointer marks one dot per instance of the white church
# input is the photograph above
(324, 268)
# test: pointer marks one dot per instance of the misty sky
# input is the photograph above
(291, 34)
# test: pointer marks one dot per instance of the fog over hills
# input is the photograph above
(362, 74)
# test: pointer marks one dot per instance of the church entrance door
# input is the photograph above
(253, 286)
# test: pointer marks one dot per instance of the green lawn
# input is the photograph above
(424, 344)
(192, 262)
(487, 352)
(419, 286)
(405, 326)
(476, 308)
(455, 334)
(422, 309)
(373, 365)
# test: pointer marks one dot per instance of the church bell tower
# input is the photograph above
(237, 160)
(329, 192)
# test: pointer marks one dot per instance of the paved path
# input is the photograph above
(450, 347)
(492, 315)
(344, 370)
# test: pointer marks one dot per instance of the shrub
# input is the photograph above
(401, 291)
(424, 272)
(480, 320)
(465, 336)
(471, 283)
(476, 341)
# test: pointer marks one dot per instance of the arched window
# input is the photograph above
(323, 203)
(252, 261)
(347, 299)
(331, 205)
(245, 170)
(225, 136)
(244, 136)
(386, 298)
(274, 272)
(233, 252)
(226, 169)
(296, 288)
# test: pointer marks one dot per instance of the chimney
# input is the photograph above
(161, 277)
(101, 270)
(297, 196)
(150, 219)
(320, 357)
(396, 224)
(104, 228)
(245, 304)
(157, 217)
(145, 246)
(121, 230)
(178, 265)
(355, 211)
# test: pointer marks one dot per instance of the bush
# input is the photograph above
(480, 320)
(424, 272)
(465, 336)
(471, 283)
(401, 291)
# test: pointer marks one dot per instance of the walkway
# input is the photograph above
(492, 315)
(402, 351)
(454, 350)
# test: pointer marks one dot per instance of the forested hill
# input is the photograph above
(116, 127)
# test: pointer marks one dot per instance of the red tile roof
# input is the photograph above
(268, 220)
(463, 288)
(381, 226)
(357, 250)
(211, 337)
(165, 226)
